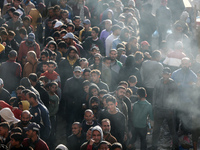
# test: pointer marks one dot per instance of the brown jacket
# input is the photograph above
(29, 68)
(109, 138)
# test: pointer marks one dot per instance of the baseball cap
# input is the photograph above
(31, 37)
(78, 68)
(58, 24)
(1, 81)
(69, 35)
(166, 70)
(86, 21)
(33, 126)
(145, 43)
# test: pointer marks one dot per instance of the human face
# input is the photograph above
(121, 93)
(104, 147)
(185, 63)
(14, 143)
(77, 74)
(3, 131)
(15, 18)
(113, 55)
(10, 38)
(44, 67)
(51, 68)
(134, 42)
(52, 47)
(57, 12)
(106, 127)
(108, 25)
(86, 26)
(96, 135)
(70, 29)
(77, 22)
(30, 100)
(86, 89)
(4, 38)
(76, 129)
(26, 23)
(16, 3)
(86, 76)
(107, 63)
(94, 92)
(95, 77)
(97, 60)
(53, 88)
(94, 51)
(166, 76)
(94, 34)
(72, 54)
(50, 12)
(25, 118)
(44, 58)
(19, 94)
(88, 116)
(29, 133)
(110, 15)
(62, 2)
(88, 135)
(65, 15)
(111, 106)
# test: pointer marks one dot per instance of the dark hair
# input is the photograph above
(56, 7)
(43, 78)
(63, 31)
(103, 91)
(96, 29)
(53, 83)
(132, 79)
(16, 129)
(46, 53)
(111, 99)
(121, 87)
(86, 83)
(86, 70)
(141, 92)
(20, 88)
(32, 95)
(138, 55)
(62, 44)
(106, 58)
(156, 54)
(17, 137)
(5, 125)
(4, 32)
(76, 17)
(71, 25)
(23, 31)
(104, 142)
(52, 63)
(120, 45)
(26, 18)
(64, 26)
(33, 77)
(116, 145)
(96, 71)
(56, 34)
(11, 33)
(12, 99)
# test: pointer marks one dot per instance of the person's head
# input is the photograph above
(31, 97)
(45, 66)
(32, 130)
(33, 78)
(87, 24)
(166, 73)
(63, 2)
(120, 92)
(16, 139)
(16, 3)
(95, 75)
(178, 46)
(141, 92)
(86, 85)
(97, 134)
(104, 100)
(50, 12)
(116, 146)
(51, 66)
(108, 24)
(132, 80)
(124, 35)
(104, 145)
(25, 117)
(116, 29)
(156, 55)
(19, 90)
(89, 133)
(113, 54)
(102, 92)
(12, 100)
(44, 56)
(111, 103)
(107, 61)
(12, 55)
(129, 92)
(105, 125)
(86, 74)
(4, 35)
(16, 130)
(31, 56)
(57, 25)
(77, 21)
(11, 35)
(53, 86)
(31, 38)
(23, 95)
(44, 80)
(4, 129)
(97, 59)
(185, 63)
(94, 102)
(26, 21)
(88, 115)
(70, 27)
(72, 52)
(62, 46)
(52, 45)
(77, 72)
(57, 10)
(94, 50)
(65, 14)
(139, 57)
(83, 63)
(95, 32)
(69, 38)
(76, 128)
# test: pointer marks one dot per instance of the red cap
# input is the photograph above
(144, 43)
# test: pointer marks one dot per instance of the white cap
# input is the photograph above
(69, 35)
(58, 24)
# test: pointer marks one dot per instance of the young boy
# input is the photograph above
(16, 140)
(132, 81)
(88, 120)
(141, 110)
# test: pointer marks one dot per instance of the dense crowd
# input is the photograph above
(114, 70)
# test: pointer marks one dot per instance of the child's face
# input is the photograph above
(86, 89)
(26, 23)
(10, 38)
(88, 116)
(53, 88)
(94, 92)
(4, 38)
(13, 142)
(44, 67)
(51, 67)
(52, 47)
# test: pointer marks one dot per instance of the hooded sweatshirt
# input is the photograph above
(95, 146)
